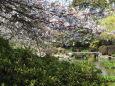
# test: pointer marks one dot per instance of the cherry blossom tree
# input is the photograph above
(39, 22)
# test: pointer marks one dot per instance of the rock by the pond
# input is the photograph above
(107, 50)
(111, 58)
(103, 50)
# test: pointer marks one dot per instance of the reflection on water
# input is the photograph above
(105, 71)
(98, 65)
(111, 72)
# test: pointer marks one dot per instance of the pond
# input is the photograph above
(107, 67)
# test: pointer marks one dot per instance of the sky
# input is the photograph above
(63, 1)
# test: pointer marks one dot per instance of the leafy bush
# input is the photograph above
(106, 39)
(85, 50)
(113, 55)
(94, 44)
(108, 22)
(108, 64)
(22, 68)
(78, 56)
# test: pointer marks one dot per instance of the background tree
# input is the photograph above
(94, 3)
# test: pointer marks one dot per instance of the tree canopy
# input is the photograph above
(94, 3)
(41, 20)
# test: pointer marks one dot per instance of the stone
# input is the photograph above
(107, 50)
(111, 49)
(103, 50)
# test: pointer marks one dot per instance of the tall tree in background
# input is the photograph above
(93, 3)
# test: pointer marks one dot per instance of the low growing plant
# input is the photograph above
(20, 67)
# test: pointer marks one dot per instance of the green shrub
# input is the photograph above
(78, 56)
(108, 22)
(23, 68)
(94, 44)
(113, 55)
(85, 51)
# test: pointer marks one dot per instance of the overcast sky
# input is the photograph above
(63, 1)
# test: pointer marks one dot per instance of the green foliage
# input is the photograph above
(108, 64)
(113, 55)
(20, 67)
(106, 40)
(108, 22)
(96, 3)
(85, 50)
(111, 84)
(108, 36)
(84, 56)
(78, 56)
(110, 78)
(69, 50)
(94, 44)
